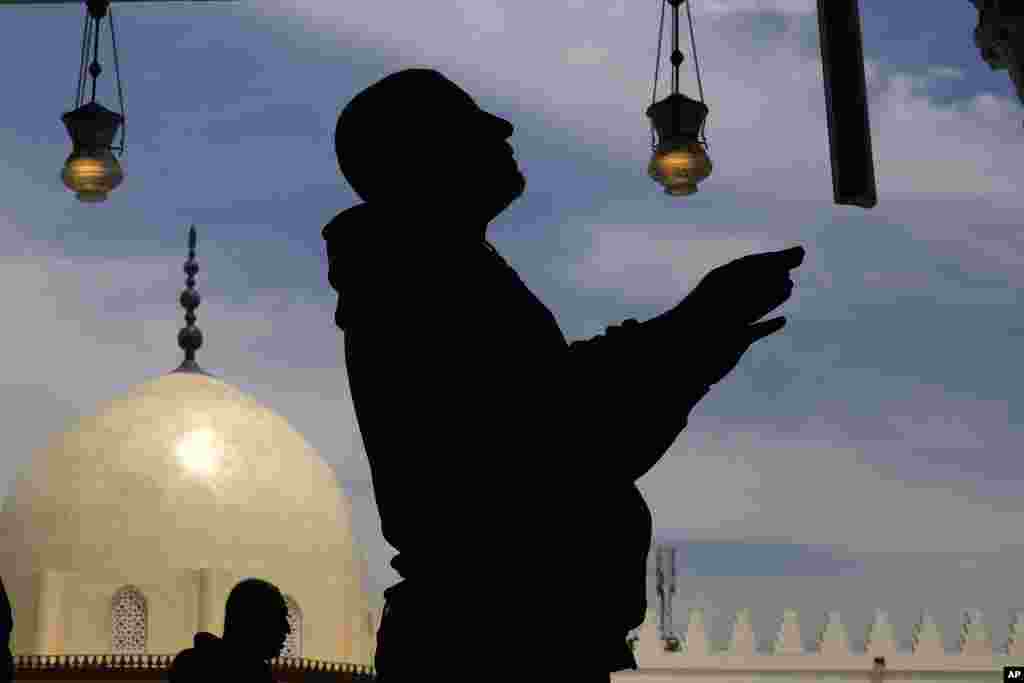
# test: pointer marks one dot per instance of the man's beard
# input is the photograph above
(467, 202)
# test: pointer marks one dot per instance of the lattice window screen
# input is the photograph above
(293, 644)
(128, 622)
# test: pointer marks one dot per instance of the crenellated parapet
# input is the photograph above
(743, 641)
(696, 641)
(927, 636)
(1015, 643)
(832, 640)
(881, 638)
(974, 635)
(832, 653)
(787, 640)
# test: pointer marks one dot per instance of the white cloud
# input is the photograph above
(484, 17)
(644, 267)
(733, 6)
(587, 55)
(954, 150)
(948, 431)
(946, 72)
(816, 489)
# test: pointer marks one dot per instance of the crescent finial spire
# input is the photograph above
(189, 337)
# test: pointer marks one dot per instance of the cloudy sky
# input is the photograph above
(867, 456)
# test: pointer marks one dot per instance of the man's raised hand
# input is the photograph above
(724, 309)
(741, 292)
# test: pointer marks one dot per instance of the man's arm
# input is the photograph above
(640, 381)
(637, 387)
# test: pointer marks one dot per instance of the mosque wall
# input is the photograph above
(59, 612)
(73, 613)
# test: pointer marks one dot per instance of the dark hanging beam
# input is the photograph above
(846, 103)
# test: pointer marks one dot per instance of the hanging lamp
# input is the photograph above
(680, 160)
(92, 171)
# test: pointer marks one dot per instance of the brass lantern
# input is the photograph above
(91, 171)
(680, 160)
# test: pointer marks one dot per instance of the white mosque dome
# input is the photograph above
(185, 471)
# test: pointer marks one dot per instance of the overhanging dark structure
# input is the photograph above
(846, 103)
(999, 36)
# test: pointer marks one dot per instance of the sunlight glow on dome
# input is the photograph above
(201, 451)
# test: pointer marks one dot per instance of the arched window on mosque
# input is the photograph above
(128, 621)
(293, 643)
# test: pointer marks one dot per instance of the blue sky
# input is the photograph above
(866, 456)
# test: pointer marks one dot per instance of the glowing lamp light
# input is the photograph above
(680, 167)
(91, 171)
(679, 161)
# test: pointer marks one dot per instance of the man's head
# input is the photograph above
(415, 139)
(256, 618)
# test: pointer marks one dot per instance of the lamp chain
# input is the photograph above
(693, 44)
(677, 59)
(677, 55)
(696, 63)
(81, 68)
(657, 63)
(120, 94)
(95, 69)
(95, 11)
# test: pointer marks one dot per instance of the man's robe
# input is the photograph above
(503, 458)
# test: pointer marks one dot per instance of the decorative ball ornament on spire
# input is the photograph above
(679, 161)
(189, 337)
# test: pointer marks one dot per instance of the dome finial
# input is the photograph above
(189, 337)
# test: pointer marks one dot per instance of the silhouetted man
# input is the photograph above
(6, 628)
(504, 459)
(255, 629)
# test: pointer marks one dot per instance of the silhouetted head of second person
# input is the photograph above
(416, 142)
(6, 626)
(256, 619)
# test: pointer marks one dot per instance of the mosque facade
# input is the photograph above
(124, 535)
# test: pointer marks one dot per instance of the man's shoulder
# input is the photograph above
(189, 664)
(215, 664)
(181, 666)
